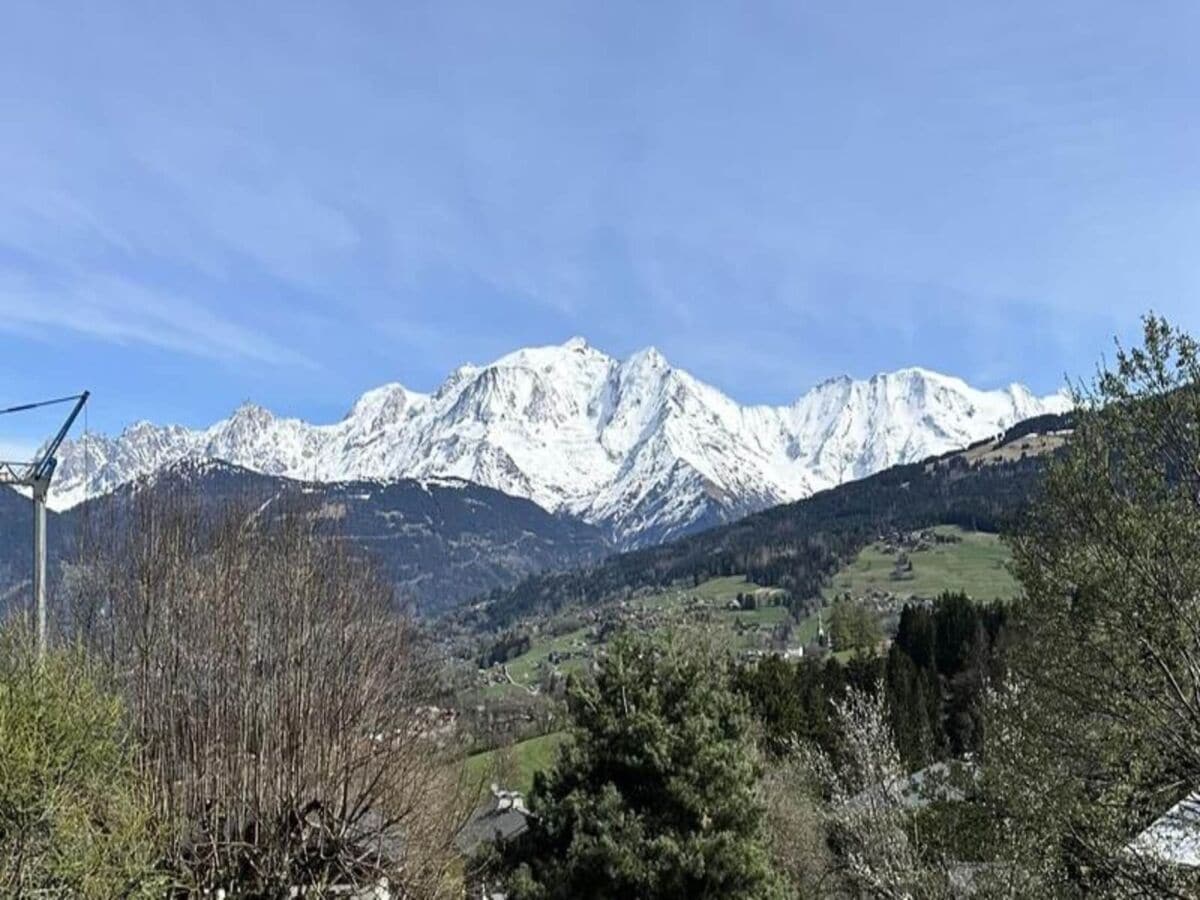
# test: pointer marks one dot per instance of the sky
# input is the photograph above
(206, 203)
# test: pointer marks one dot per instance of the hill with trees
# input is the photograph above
(437, 541)
(797, 546)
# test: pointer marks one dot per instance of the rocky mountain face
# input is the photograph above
(636, 447)
(439, 541)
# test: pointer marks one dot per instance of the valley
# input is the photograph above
(602, 451)
(520, 647)
(748, 620)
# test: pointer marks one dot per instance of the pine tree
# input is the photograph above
(907, 689)
(916, 635)
(655, 795)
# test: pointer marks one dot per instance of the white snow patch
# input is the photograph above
(637, 445)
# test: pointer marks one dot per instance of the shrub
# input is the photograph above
(73, 820)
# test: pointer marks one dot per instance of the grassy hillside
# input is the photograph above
(972, 561)
(514, 767)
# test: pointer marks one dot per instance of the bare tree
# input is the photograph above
(796, 830)
(868, 823)
(281, 705)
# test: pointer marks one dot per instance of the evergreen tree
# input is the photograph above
(964, 711)
(916, 635)
(957, 622)
(774, 689)
(655, 795)
(908, 704)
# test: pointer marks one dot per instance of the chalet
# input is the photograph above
(501, 819)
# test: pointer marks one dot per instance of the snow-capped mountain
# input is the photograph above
(637, 446)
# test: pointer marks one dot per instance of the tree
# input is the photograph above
(797, 837)
(916, 635)
(914, 702)
(278, 701)
(655, 795)
(854, 627)
(73, 818)
(1097, 730)
(774, 690)
(879, 852)
(957, 624)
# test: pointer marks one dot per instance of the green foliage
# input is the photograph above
(935, 676)
(655, 794)
(507, 646)
(73, 821)
(956, 650)
(793, 701)
(915, 703)
(1099, 731)
(854, 627)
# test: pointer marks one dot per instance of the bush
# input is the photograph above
(73, 821)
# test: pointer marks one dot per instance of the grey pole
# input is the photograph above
(36, 476)
(39, 564)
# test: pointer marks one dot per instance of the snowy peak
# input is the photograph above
(846, 429)
(638, 446)
(386, 405)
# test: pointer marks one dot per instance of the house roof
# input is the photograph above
(502, 818)
(1174, 837)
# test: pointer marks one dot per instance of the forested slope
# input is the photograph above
(797, 545)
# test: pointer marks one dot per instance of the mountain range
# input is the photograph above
(437, 541)
(797, 546)
(637, 447)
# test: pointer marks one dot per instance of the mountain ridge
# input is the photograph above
(797, 546)
(637, 446)
(437, 541)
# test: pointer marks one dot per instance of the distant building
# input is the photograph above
(942, 782)
(501, 819)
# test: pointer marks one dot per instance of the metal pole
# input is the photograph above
(37, 477)
(39, 566)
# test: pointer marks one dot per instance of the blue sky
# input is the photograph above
(292, 202)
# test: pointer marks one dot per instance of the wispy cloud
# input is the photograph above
(395, 191)
(119, 311)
